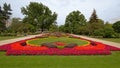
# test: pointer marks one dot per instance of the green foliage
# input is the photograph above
(2, 26)
(18, 27)
(6, 11)
(116, 26)
(94, 17)
(76, 23)
(38, 15)
(54, 28)
(62, 28)
(95, 23)
(108, 32)
(73, 21)
(99, 32)
(4, 16)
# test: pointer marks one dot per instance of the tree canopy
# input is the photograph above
(18, 26)
(38, 15)
(116, 26)
(73, 21)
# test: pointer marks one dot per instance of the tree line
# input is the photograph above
(76, 23)
(39, 18)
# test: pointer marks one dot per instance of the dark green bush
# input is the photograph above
(50, 45)
(109, 33)
(71, 45)
(23, 44)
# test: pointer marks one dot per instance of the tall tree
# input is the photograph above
(2, 24)
(5, 13)
(73, 21)
(38, 15)
(94, 23)
(94, 17)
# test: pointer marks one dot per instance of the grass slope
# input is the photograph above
(7, 37)
(112, 39)
(54, 39)
(110, 61)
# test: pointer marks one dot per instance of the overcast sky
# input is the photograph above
(108, 10)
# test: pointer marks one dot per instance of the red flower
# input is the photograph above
(60, 43)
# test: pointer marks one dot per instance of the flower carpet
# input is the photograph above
(57, 48)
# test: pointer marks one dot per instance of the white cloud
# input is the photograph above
(106, 9)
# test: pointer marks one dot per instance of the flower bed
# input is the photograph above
(93, 48)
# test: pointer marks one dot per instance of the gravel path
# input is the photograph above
(103, 41)
(16, 39)
(31, 36)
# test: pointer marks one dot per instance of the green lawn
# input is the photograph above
(55, 39)
(112, 39)
(7, 37)
(109, 61)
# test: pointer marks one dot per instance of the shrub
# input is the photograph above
(93, 43)
(116, 26)
(108, 32)
(71, 45)
(99, 32)
(50, 45)
(23, 44)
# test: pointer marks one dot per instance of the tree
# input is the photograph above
(18, 26)
(108, 32)
(107, 24)
(6, 11)
(95, 23)
(4, 16)
(2, 23)
(116, 26)
(38, 15)
(54, 28)
(94, 17)
(83, 30)
(16, 20)
(73, 21)
(62, 28)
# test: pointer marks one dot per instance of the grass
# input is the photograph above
(112, 39)
(7, 37)
(109, 61)
(117, 40)
(54, 39)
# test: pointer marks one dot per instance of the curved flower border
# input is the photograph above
(17, 49)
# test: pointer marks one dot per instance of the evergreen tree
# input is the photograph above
(94, 17)
(5, 13)
(94, 23)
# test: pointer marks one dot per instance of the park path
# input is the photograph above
(16, 39)
(32, 36)
(99, 40)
